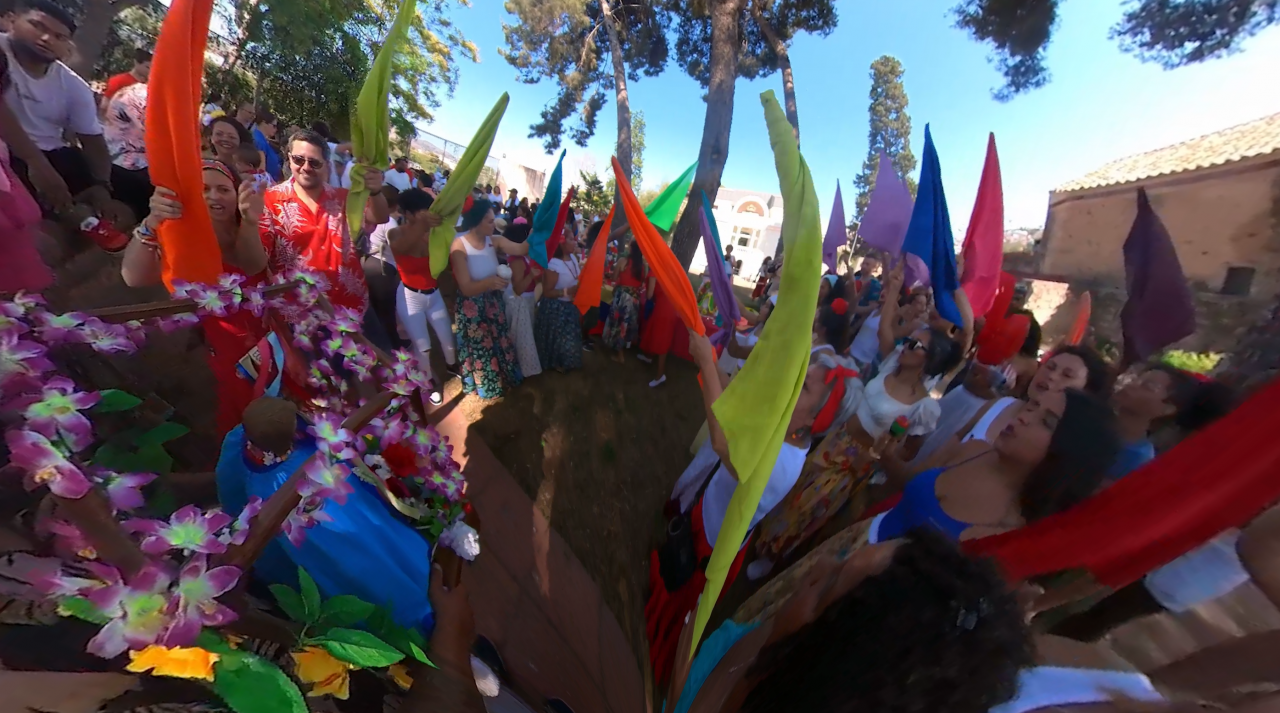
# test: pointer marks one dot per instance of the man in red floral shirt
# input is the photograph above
(304, 225)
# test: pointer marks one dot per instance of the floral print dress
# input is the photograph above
(485, 349)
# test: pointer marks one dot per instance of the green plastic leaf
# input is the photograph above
(417, 652)
(291, 602)
(80, 608)
(409, 641)
(310, 596)
(163, 433)
(153, 459)
(359, 648)
(210, 640)
(112, 400)
(113, 457)
(345, 610)
(251, 684)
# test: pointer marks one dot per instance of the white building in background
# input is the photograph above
(749, 221)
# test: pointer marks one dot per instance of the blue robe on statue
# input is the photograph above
(366, 551)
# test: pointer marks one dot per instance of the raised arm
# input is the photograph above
(704, 355)
(509, 247)
(250, 255)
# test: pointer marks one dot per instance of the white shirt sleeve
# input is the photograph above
(82, 110)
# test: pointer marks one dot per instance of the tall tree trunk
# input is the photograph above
(95, 26)
(784, 64)
(620, 86)
(714, 151)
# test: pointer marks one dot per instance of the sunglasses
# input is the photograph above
(314, 164)
(912, 344)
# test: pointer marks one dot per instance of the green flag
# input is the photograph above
(461, 181)
(755, 409)
(371, 122)
(663, 210)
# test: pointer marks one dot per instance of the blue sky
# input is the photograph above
(1101, 104)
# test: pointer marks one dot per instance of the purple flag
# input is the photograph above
(836, 232)
(1160, 309)
(884, 224)
(721, 287)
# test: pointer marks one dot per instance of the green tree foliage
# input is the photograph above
(889, 130)
(592, 198)
(310, 57)
(717, 41)
(588, 48)
(1171, 33)
(637, 150)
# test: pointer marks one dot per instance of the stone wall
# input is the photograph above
(1221, 321)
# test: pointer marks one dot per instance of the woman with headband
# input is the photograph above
(234, 209)
(485, 350)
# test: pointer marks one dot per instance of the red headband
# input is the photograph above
(827, 414)
(209, 164)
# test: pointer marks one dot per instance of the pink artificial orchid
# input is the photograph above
(173, 323)
(20, 358)
(239, 530)
(68, 541)
(197, 606)
(57, 413)
(24, 304)
(81, 579)
(326, 480)
(12, 324)
(58, 328)
(45, 465)
(253, 300)
(334, 344)
(346, 320)
(107, 338)
(309, 513)
(139, 612)
(136, 331)
(208, 299)
(124, 490)
(189, 529)
(331, 438)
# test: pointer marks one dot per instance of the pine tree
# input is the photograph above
(637, 149)
(889, 131)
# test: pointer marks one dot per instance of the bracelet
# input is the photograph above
(144, 235)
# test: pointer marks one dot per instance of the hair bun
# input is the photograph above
(839, 305)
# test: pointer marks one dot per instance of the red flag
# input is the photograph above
(666, 267)
(591, 280)
(190, 249)
(984, 240)
(557, 233)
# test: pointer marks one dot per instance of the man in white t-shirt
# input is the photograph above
(49, 101)
(400, 176)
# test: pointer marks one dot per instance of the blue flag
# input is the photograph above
(929, 234)
(544, 221)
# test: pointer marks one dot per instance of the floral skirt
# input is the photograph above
(622, 329)
(557, 331)
(520, 322)
(766, 601)
(833, 473)
(486, 353)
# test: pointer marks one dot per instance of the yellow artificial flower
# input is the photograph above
(177, 662)
(317, 666)
(400, 674)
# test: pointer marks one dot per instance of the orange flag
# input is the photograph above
(1084, 307)
(591, 280)
(664, 263)
(189, 249)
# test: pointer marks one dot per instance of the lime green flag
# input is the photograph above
(461, 181)
(663, 210)
(756, 407)
(371, 122)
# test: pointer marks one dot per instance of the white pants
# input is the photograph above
(415, 310)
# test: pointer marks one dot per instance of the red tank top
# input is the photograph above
(415, 272)
(626, 279)
(529, 267)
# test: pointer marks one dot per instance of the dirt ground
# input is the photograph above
(598, 452)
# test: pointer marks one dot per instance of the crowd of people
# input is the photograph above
(858, 602)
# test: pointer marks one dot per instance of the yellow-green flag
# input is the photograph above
(371, 122)
(463, 178)
(756, 407)
(663, 210)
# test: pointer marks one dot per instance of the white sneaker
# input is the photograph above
(759, 568)
(658, 382)
(644, 358)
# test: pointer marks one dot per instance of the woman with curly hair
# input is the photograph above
(485, 349)
(905, 626)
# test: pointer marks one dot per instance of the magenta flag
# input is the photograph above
(884, 224)
(1160, 309)
(984, 240)
(836, 232)
(721, 283)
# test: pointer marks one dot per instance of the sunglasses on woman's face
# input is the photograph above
(299, 161)
(911, 344)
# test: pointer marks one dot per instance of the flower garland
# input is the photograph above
(173, 596)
